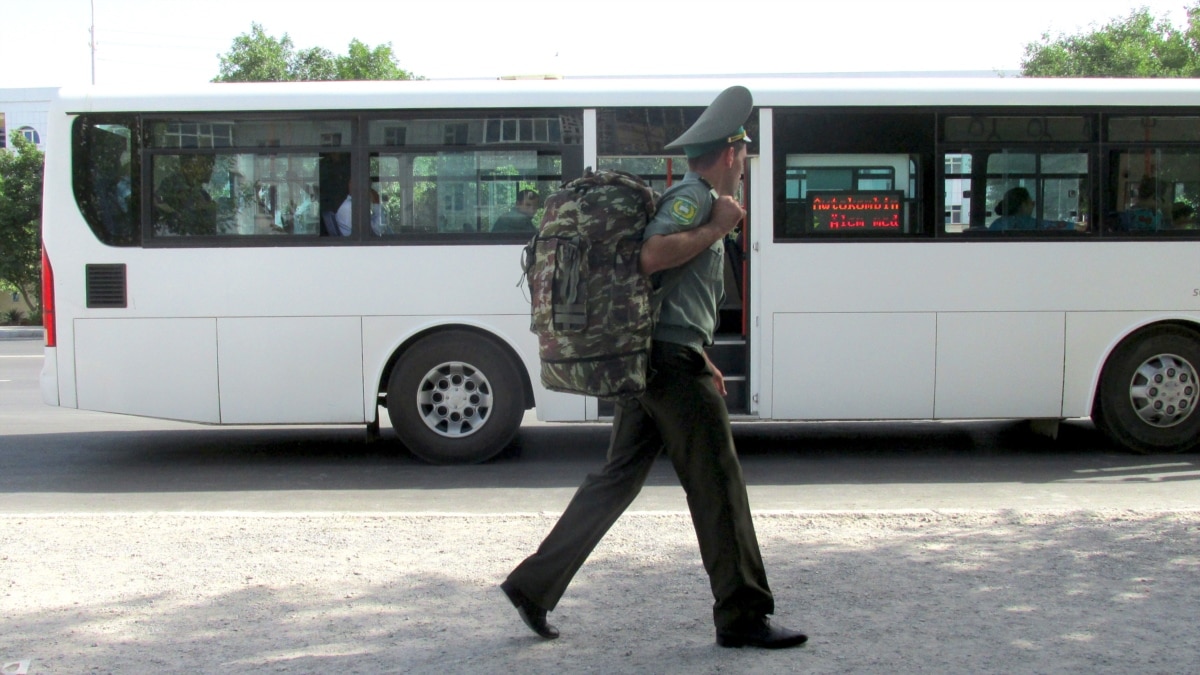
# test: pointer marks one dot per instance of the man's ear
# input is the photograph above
(730, 156)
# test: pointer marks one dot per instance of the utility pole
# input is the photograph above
(92, 30)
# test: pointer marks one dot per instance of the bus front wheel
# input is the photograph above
(455, 398)
(1149, 391)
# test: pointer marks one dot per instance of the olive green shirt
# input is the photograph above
(695, 289)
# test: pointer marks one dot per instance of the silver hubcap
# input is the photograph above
(1163, 390)
(454, 400)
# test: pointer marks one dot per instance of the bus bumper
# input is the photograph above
(49, 378)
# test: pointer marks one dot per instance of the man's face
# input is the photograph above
(529, 205)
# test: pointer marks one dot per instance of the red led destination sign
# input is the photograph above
(843, 212)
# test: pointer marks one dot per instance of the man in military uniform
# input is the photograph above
(682, 409)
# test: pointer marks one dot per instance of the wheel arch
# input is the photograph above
(483, 332)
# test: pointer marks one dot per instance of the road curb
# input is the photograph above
(21, 333)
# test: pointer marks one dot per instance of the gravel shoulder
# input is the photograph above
(995, 591)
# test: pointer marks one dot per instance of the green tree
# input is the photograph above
(21, 220)
(258, 57)
(1139, 45)
(363, 63)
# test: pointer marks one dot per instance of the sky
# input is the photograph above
(46, 43)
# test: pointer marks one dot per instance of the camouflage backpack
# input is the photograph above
(593, 310)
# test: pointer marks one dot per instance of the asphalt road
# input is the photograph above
(55, 460)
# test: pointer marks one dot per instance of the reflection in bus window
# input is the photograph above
(203, 194)
(183, 195)
(660, 172)
(462, 175)
(245, 177)
(633, 132)
(457, 192)
(958, 192)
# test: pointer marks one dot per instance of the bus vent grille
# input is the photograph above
(106, 286)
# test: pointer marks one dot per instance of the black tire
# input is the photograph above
(455, 398)
(1148, 392)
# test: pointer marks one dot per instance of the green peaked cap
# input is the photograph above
(720, 124)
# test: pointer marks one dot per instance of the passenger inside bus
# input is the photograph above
(1016, 213)
(345, 211)
(520, 218)
(1183, 216)
(1145, 214)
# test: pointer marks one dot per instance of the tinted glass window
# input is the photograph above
(104, 178)
(659, 172)
(452, 176)
(1016, 190)
(249, 133)
(1154, 179)
(641, 131)
(1017, 174)
(1154, 129)
(221, 176)
(1154, 190)
(633, 132)
(1039, 129)
(849, 194)
(203, 194)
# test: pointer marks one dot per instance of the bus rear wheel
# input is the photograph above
(1149, 391)
(455, 398)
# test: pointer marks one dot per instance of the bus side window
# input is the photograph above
(103, 180)
(183, 203)
(1164, 199)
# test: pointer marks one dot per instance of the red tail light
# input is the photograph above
(48, 301)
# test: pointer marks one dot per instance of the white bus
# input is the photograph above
(914, 249)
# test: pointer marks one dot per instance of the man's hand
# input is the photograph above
(718, 376)
(664, 251)
(726, 214)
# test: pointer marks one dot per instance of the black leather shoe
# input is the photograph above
(760, 633)
(533, 615)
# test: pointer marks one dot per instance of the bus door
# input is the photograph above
(730, 351)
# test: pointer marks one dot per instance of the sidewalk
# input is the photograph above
(21, 332)
(1053, 593)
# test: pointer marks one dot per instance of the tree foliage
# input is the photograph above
(21, 220)
(258, 57)
(1139, 45)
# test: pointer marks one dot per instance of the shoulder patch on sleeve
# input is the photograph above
(684, 210)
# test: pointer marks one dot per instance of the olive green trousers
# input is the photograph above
(680, 412)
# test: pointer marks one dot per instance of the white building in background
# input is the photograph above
(24, 111)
